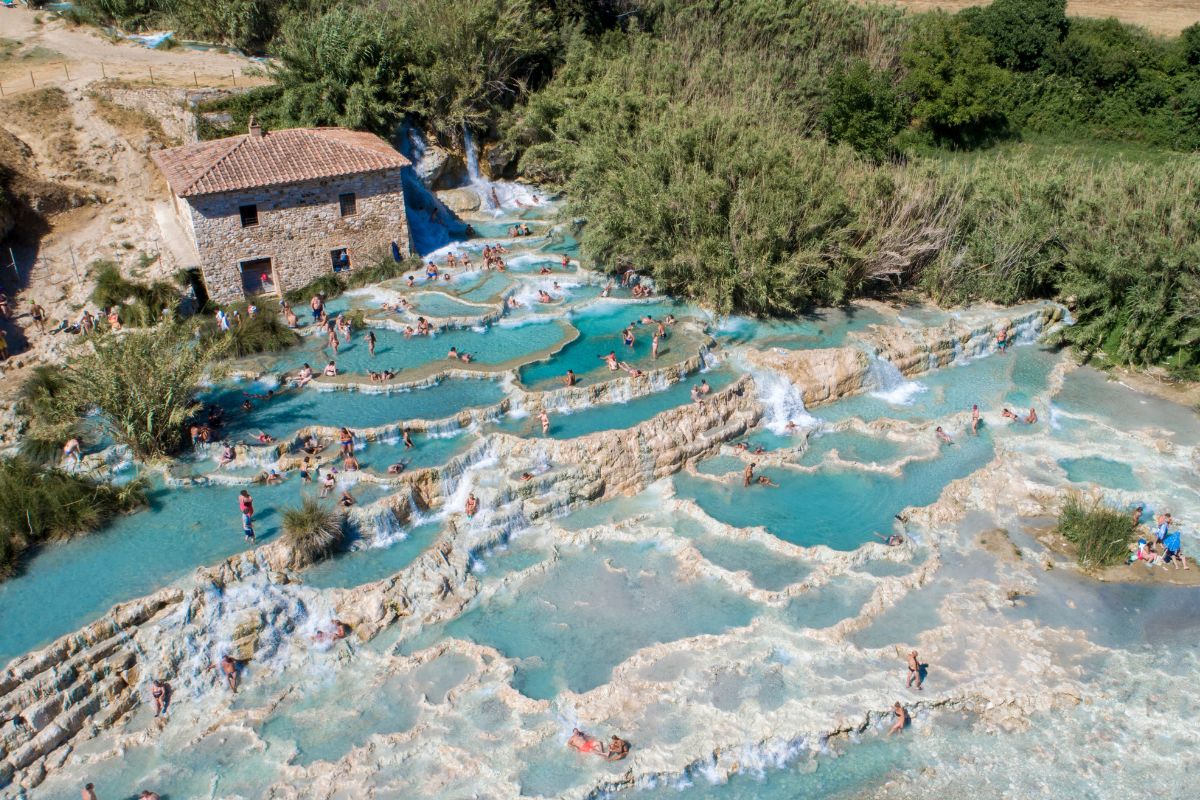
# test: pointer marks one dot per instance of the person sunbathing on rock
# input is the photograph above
(1009, 415)
(585, 744)
(891, 540)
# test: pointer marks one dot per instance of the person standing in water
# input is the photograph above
(545, 420)
(748, 474)
(902, 718)
(230, 671)
(246, 503)
(654, 346)
(89, 792)
(161, 692)
(974, 419)
(371, 342)
(914, 670)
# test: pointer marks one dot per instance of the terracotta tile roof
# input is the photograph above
(274, 158)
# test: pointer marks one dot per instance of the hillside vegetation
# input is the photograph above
(769, 155)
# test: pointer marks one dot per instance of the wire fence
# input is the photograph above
(61, 73)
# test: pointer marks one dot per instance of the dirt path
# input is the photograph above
(1164, 17)
(57, 54)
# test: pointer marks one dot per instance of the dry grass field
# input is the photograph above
(1165, 17)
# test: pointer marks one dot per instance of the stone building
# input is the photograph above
(271, 211)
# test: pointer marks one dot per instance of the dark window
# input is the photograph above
(249, 216)
(257, 276)
(348, 204)
(341, 259)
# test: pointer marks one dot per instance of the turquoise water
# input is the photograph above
(614, 416)
(294, 409)
(600, 328)
(427, 451)
(66, 586)
(432, 304)
(497, 344)
(571, 625)
(1102, 472)
(1089, 392)
(850, 771)
(767, 570)
(1009, 379)
(852, 446)
(373, 563)
(826, 328)
(840, 508)
(567, 614)
(489, 287)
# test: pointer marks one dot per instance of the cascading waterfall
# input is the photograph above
(782, 401)
(889, 384)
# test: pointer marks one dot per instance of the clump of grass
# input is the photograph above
(42, 504)
(311, 530)
(263, 332)
(1101, 534)
(141, 304)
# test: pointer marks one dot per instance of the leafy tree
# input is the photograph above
(957, 91)
(340, 68)
(1021, 32)
(863, 110)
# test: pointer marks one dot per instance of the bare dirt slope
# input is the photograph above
(88, 119)
(1164, 17)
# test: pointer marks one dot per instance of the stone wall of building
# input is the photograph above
(299, 225)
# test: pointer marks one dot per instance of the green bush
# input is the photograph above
(311, 530)
(1100, 534)
(264, 332)
(42, 504)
